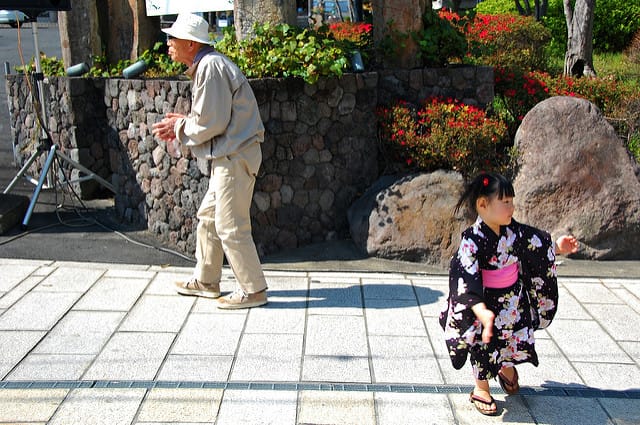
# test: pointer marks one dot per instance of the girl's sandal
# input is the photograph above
(511, 387)
(486, 407)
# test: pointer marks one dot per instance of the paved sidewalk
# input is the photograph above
(89, 343)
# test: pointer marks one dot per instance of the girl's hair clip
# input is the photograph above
(485, 181)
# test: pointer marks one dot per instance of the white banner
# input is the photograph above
(173, 7)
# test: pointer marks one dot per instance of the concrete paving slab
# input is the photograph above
(622, 411)
(632, 286)
(112, 294)
(340, 299)
(158, 313)
(70, 279)
(268, 357)
(99, 406)
(51, 367)
(7, 299)
(511, 410)
(336, 369)
(210, 334)
(131, 355)
(180, 405)
(632, 348)
(178, 367)
(610, 376)
(28, 313)
(391, 288)
(336, 336)
(15, 345)
(594, 292)
(116, 271)
(569, 307)
(15, 275)
(273, 319)
(619, 320)
(29, 406)
(631, 300)
(80, 332)
(567, 411)
(432, 297)
(404, 359)
(246, 407)
(554, 368)
(413, 409)
(335, 277)
(586, 341)
(210, 306)
(164, 283)
(345, 408)
(394, 317)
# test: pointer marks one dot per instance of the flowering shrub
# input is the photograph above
(605, 93)
(356, 33)
(506, 40)
(516, 92)
(442, 134)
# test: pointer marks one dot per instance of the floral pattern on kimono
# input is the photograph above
(520, 309)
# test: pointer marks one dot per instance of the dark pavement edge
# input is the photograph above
(96, 235)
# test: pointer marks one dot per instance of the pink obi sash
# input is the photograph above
(501, 278)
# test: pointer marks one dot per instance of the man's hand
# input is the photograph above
(164, 130)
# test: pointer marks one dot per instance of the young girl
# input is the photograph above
(502, 287)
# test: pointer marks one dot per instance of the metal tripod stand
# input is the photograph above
(46, 145)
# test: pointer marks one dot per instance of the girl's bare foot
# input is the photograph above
(482, 400)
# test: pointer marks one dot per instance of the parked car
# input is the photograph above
(12, 17)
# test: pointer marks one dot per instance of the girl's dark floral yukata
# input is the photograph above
(529, 304)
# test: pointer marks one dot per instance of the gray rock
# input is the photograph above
(575, 175)
(410, 218)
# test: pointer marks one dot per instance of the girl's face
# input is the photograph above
(495, 212)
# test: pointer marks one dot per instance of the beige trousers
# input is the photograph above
(224, 222)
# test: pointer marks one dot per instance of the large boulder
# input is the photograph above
(575, 175)
(410, 218)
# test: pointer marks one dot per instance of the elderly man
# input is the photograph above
(224, 126)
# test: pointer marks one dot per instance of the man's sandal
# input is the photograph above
(484, 406)
(510, 387)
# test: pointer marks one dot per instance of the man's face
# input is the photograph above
(181, 50)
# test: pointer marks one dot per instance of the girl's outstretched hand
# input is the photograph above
(486, 317)
(566, 244)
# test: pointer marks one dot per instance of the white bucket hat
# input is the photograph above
(190, 27)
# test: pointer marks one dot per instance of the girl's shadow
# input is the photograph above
(379, 296)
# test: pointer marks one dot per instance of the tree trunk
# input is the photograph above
(406, 16)
(249, 12)
(120, 27)
(128, 30)
(79, 33)
(578, 61)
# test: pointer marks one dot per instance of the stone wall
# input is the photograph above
(319, 154)
(80, 136)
